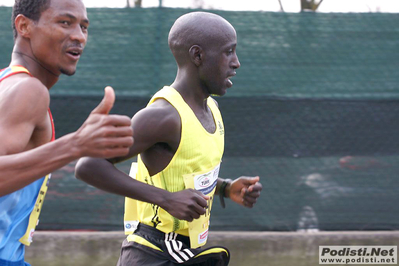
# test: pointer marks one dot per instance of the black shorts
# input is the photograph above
(168, 250)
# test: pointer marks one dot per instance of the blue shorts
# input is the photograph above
(13, 263)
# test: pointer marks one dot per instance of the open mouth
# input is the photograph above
(74, 53)
(229, 82)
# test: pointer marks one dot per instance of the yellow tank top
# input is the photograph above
(194, 165)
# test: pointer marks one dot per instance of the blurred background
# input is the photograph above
(313, 110)
(386, 6)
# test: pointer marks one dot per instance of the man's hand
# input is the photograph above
(103, 135)
(244, 190)
(186, 205)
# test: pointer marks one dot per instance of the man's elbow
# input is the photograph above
(82, 169)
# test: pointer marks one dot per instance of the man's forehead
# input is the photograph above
(74, 8)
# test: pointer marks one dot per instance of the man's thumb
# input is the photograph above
(107, 103)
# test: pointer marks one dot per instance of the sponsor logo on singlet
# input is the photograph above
(207, 182)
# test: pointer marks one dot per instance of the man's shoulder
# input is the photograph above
(23, 83)
(163, 111)
(160, 116)
(162, 104)
(23, 89)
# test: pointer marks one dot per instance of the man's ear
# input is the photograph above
(196, 54)
(23, 26)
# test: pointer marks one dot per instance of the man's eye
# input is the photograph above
(64, 22)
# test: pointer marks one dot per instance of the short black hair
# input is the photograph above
(29, 8)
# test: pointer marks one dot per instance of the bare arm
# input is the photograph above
(26, 156)
(185, 204)
(155, 124)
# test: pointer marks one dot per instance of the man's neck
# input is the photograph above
(34, 67)
(192, 94)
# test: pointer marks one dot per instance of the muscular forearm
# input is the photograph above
(101, 136)
(19, 170)
(104, 175)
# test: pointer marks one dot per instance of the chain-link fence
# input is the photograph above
(313, 112)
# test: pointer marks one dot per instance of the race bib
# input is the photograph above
(204, 182)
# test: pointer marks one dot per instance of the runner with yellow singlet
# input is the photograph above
(179, 138)
(199, 154)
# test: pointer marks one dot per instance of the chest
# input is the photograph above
(207, 121)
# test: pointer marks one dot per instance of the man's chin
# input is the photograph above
(68, 72)
(221, 93)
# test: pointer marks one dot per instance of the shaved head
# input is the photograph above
(197, 28)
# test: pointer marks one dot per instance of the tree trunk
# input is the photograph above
(310, 5)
